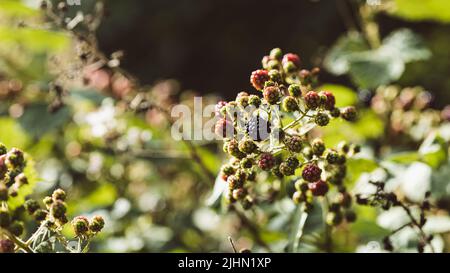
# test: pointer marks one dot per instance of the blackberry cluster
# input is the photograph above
(264, 134)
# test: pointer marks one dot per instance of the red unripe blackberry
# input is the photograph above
(6, 246)
(318, 188)
(272, 94)
(266, 161)
(291, 57)
(258, 78)
(311, 172)
(224, 128)
(328, 100)
(312, 100)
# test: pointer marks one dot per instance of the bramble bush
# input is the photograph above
(299, 165)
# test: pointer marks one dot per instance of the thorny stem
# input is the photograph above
(293, 123)
(418, 226)
(21, 244)
(232, 244)
(301, 225)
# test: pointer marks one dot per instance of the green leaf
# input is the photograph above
(35, 40)
(434, 151)
(404, 157)
(344, 95)
(12, 134)
(337, 59)
(25, 190)
(37, 120)
(406, 45)
(358, 166)
(416, 10)
(104, 195)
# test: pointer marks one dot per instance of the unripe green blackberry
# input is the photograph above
(332, 156)
(233, 149)
(16, 228)
(322, 119)
(97, 224)
(335, 112)
(227, 170)
(318, 188)
(318, 146)
(31, 206)
(275, 76)
(80, 225)
(334, 218)
(295, 90)
(327, 100)
(246, 163)
(290, 104)
(247, 202)
(264, 61)
(350, 216)
(286, 170)
(3, 192)
(3, 167)
(3, 149)
(301, 185)
(349, 113)
(247, 146)
(276, 53)
(273, 64)
(276, 171)
(59, 194)
(241, 175)
(239, 194)
(243, 100)
(294, 144)
(311, 172)
(58, 209)
(266, 161)
(292, 161)
(289, 67)
(298, 197)
(341, 159)
(7, 246)
(269, 83)
(40, 215)
(48, 201)
(254, 101)
(258, 78)
(312, 100)
(272, 94)
(15, 158)
(234, 182)
(5, 218)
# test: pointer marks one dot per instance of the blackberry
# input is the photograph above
(7, 246)
(5, 218)
(311, 172)
(254, 101)
(335, 112)
(318, 146)
(349, 113)
(16, 228)
(233, 149)
(247, 146)
(291, 57)
(59, 194)
(322, 119)
(294, 144)
(294, 90)
(275, 76)
(239, 194)
(276, 53)
(3, 149)
(327, 99)
(332, 156)
(258, 128)
(290, 104)
(246, 163)
(58, 209)
(312, 100)
(272, 94)
(319, 188)
(266, 161)
(258, 78)
(3, 192)
(80, 225)
(97, 223)
(31, 206)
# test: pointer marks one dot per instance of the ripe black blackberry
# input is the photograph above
(311, 172)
